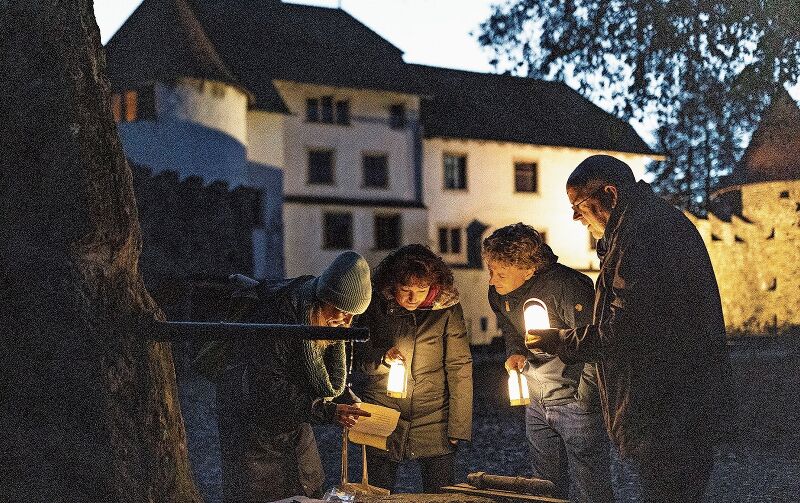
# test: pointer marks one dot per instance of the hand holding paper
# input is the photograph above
(375, 429)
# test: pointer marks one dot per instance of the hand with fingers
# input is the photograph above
(515, 362)
(394, 355)
(348, 415)
(543, 340)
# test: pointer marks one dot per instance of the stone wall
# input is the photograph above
(757, 258)
(192, 231)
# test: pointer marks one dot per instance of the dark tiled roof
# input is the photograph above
(252, 43)
(264, 41)
(486, 106)
(774, 149)
(163, 40)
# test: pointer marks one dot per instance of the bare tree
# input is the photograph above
(88, 406)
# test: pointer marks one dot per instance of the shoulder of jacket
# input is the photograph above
(568, 275)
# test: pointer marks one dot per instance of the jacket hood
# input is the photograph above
(447, 297)
(437, 299)
(639, 191)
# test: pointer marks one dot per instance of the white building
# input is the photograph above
(352, 185)
(498, 150)
(374, 153)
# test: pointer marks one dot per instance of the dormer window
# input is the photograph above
(397, 116)
(328, 111)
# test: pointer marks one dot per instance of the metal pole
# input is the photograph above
(174, 331)
(344, 457)
(364, 475)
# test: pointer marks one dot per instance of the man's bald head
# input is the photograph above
(602, 168)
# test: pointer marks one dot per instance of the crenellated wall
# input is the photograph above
(757, 259)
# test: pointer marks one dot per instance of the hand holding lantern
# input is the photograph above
(539, 337)
(396, 386)
(518, 392)
(535, 314)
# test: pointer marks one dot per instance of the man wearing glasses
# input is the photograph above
(657, 334)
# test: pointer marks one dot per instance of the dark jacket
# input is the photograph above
(658, 334)
(568, 295)
(434, 342)
(267, 399)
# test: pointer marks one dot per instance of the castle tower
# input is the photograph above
(178, 106)
(756, 255)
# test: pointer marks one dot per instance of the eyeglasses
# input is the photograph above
(591, 195)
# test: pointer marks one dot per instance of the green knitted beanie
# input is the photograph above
(345, 284)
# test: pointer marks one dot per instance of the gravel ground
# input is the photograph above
(761, 465)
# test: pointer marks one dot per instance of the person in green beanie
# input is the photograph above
(272, 390)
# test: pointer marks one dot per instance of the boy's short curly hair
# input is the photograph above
(408, 265)
(518, 245)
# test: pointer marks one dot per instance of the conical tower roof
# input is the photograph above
(774, 150)
(163, 40)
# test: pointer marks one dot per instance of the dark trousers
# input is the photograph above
(437, 471)
(260, 465)
(674, 474)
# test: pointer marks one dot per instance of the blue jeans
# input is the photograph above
(569, 443)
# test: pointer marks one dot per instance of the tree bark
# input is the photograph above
(88, 407)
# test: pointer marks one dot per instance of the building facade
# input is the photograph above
(352, 147)
(504, 183)
(349, 172)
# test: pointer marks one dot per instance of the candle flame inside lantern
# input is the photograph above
(518, 388)
(396, 387)
(535, 313)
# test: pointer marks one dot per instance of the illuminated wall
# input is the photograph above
(757, 260)
(368, 132)
(199, 128)
(490, 197)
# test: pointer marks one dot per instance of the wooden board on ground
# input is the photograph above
(424, 498)
(498, 495)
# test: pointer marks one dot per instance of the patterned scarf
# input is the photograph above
(324, 364)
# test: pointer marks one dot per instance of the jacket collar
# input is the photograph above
(521, 292)
(447, 297)
(632, 197)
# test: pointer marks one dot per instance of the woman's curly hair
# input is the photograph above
(518, 245)
(408, 265)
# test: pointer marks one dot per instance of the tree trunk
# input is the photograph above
(88, 407)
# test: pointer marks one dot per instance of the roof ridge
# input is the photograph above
(207, 44)
(485, 74)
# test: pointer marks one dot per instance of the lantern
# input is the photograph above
(396, 387)
(535, 313)
(518, 388)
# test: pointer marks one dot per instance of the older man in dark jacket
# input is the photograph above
(657, 336)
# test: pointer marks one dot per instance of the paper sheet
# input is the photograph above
(374, 430)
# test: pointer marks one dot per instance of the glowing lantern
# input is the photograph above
(396, 387)
(535, 313)
(518, 388)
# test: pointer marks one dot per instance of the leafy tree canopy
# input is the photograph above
(706, 68)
